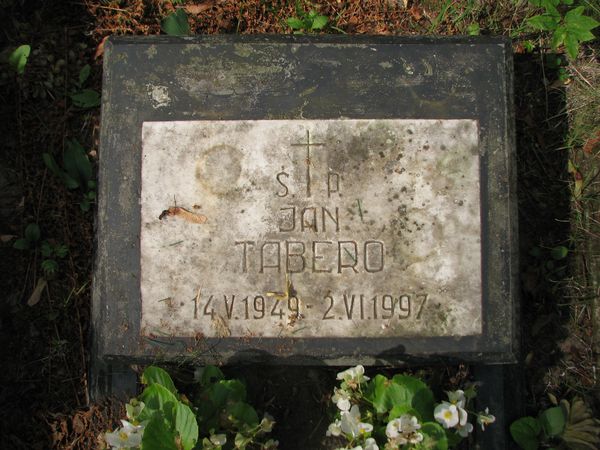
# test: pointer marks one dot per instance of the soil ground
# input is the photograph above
(44, 341)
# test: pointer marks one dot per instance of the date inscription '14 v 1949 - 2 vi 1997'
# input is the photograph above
(306, 228)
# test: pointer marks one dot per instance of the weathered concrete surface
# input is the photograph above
(312, 78)
(303, 228)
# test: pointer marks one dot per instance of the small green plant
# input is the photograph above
(562, 426)
(399, 413)
(30, 239)
(50, 250)
(551, 263)
(176, 24)
(306, 22)
(82, 97)
(76, 172)
(569, 29)
(162, 419)
(18, 58)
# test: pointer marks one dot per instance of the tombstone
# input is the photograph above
(305, 201)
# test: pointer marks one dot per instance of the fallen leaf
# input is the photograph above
(578, 188)
(7, 237)
(37, 292)
(100, 48)
(591, 144)
(78, 424)
(197, 9)
(416, 13)
(188, 216)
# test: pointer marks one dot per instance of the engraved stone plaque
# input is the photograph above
(332, 228)
(305, 200)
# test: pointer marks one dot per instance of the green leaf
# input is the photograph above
(295, 24)
(559, 252)
(156, 375)
(580, 26)
(158, 435)
(84, 74)
(453, 438)
(46, 249)
(176, 24)
(525, 432)
(69, 182)
(61, 251)
(418, 395)
(401, 391)
(209, 374)
(32, 232)
(51, 164)
(49, 266)
(244, 413)
(186, 425)
(553, 421)
(572, 46)
(319, 23)
(558, 37)
(85, 204)
(434, 437)
(473, 29)
(21, 244)
(76, 163)
(18, 58)
(226, 391)
(543, 22)
(86, 98)
(400, 410)
(157, 398)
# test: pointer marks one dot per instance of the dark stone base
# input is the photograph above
(502, 390)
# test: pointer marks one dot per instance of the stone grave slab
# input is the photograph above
(306, 200)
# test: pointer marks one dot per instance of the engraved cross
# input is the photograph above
(308, 144)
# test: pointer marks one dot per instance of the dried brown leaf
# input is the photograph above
(188, 216)
(199, 8)
(37, 292)
(100, 48)
(591, 144)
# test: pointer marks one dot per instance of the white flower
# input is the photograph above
(371, 444)
(485, 418)
(462, 417)
(271, 443)
(352, 425)
(334, 429)
(403, 430)
(218, 439)
(342, 399)
(127, 436)
(392, 430)
(266, 424)
(446, 414)
(415, 438)
(409, 424)
(465, 429)
(457, 398)
(353, 376)
(134, 408)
